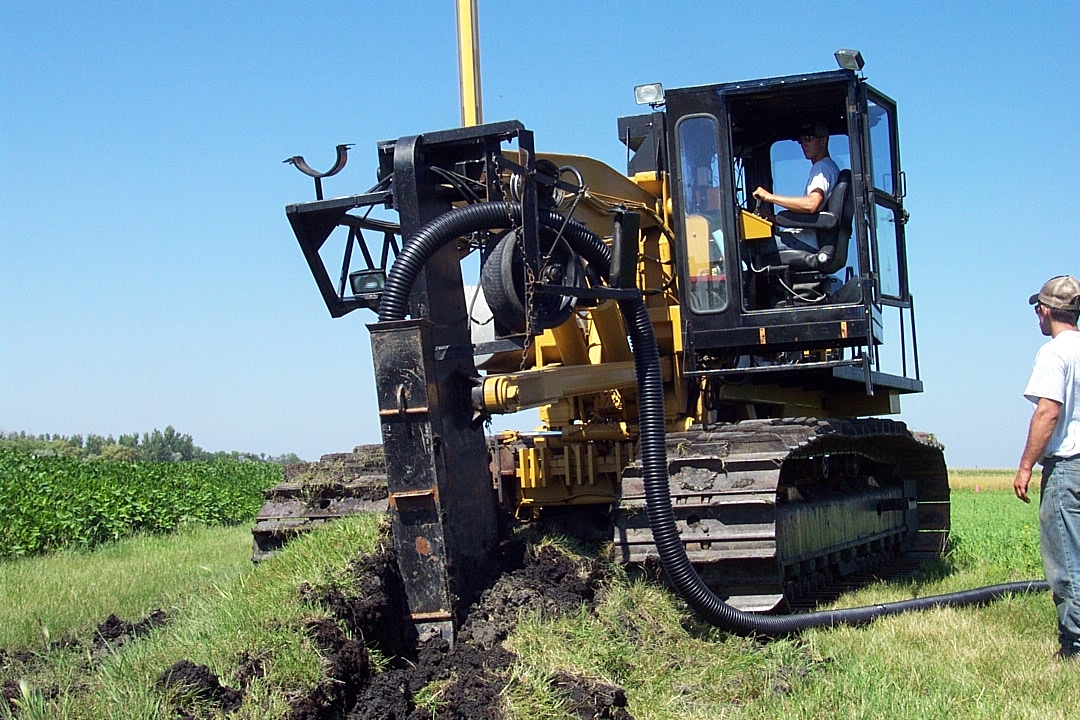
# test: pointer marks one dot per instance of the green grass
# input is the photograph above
(254, 611)
(952, 664)
(71, 592)
(996, 530)
(992, 662)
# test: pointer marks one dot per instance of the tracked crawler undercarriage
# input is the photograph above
(315, 493)
(771, 511)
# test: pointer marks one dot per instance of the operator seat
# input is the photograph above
(832, 227)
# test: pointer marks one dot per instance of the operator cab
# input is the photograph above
(752, 301)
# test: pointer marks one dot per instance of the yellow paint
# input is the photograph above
(472, 112)
(512, 392)
(650, 181)
(570, 342)
(755, 227)
(697, 245)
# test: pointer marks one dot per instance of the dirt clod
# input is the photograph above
(550, 583)
(116, 631)
(590, 699)
(249, 667)
(201, 685)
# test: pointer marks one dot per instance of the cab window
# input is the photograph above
(703, 236)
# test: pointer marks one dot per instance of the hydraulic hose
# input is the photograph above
(652, 441)
(653, 454)
(474, 218)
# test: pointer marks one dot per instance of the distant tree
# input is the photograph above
(168, 446)
(95, 444)
(157, 446)
(118, 453)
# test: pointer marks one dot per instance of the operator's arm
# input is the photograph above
(1042, 427)
(804, 204)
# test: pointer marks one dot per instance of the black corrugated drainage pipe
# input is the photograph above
(474, 218)
(651, 427)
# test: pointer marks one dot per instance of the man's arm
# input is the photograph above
(804, 204)
(1043, 422)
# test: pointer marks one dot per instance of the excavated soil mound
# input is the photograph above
(373, 609)
(471, 675)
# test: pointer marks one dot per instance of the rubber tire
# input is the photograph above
(502, 279)
(505, 296)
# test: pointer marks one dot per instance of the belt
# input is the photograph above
(1058, 458)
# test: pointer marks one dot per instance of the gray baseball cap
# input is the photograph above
(1061, 293)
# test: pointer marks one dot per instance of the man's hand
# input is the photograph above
(1043, 422)
(1020, 484)
(762, 194)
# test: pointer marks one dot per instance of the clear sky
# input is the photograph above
(148, 275)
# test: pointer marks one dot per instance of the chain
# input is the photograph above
(529, 280)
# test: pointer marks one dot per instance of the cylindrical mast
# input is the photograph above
(468, 37)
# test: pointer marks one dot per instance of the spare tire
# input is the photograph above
(502, 279)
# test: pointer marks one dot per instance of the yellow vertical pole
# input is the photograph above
(468, 38)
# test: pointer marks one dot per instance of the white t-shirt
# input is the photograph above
(1056, 376)
(823, 176)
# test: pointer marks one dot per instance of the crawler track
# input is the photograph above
(776, 514)
(337, 485)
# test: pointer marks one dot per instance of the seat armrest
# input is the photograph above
(806, 221)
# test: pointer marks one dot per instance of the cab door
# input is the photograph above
(886, 195)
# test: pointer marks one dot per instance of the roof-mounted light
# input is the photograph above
(849, 59)
(652, 94)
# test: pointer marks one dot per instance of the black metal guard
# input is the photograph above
(313, 222)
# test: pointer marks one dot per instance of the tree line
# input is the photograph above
(157, 446)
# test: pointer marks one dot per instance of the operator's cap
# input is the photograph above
(818, 129)
(1061, 293)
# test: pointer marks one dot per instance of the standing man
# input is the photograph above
(1054, 441)
(814, 141)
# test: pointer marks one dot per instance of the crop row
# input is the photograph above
(49, 502)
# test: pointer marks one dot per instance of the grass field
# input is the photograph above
(952, 664)
(982, 479)
(993, 662)
(72, 592)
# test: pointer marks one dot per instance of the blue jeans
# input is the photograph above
(1059, 538)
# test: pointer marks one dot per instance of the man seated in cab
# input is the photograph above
(814, 140)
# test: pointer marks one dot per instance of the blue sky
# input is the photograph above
(148, 275)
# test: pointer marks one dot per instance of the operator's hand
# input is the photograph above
(762, 194)
(1020, 484)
